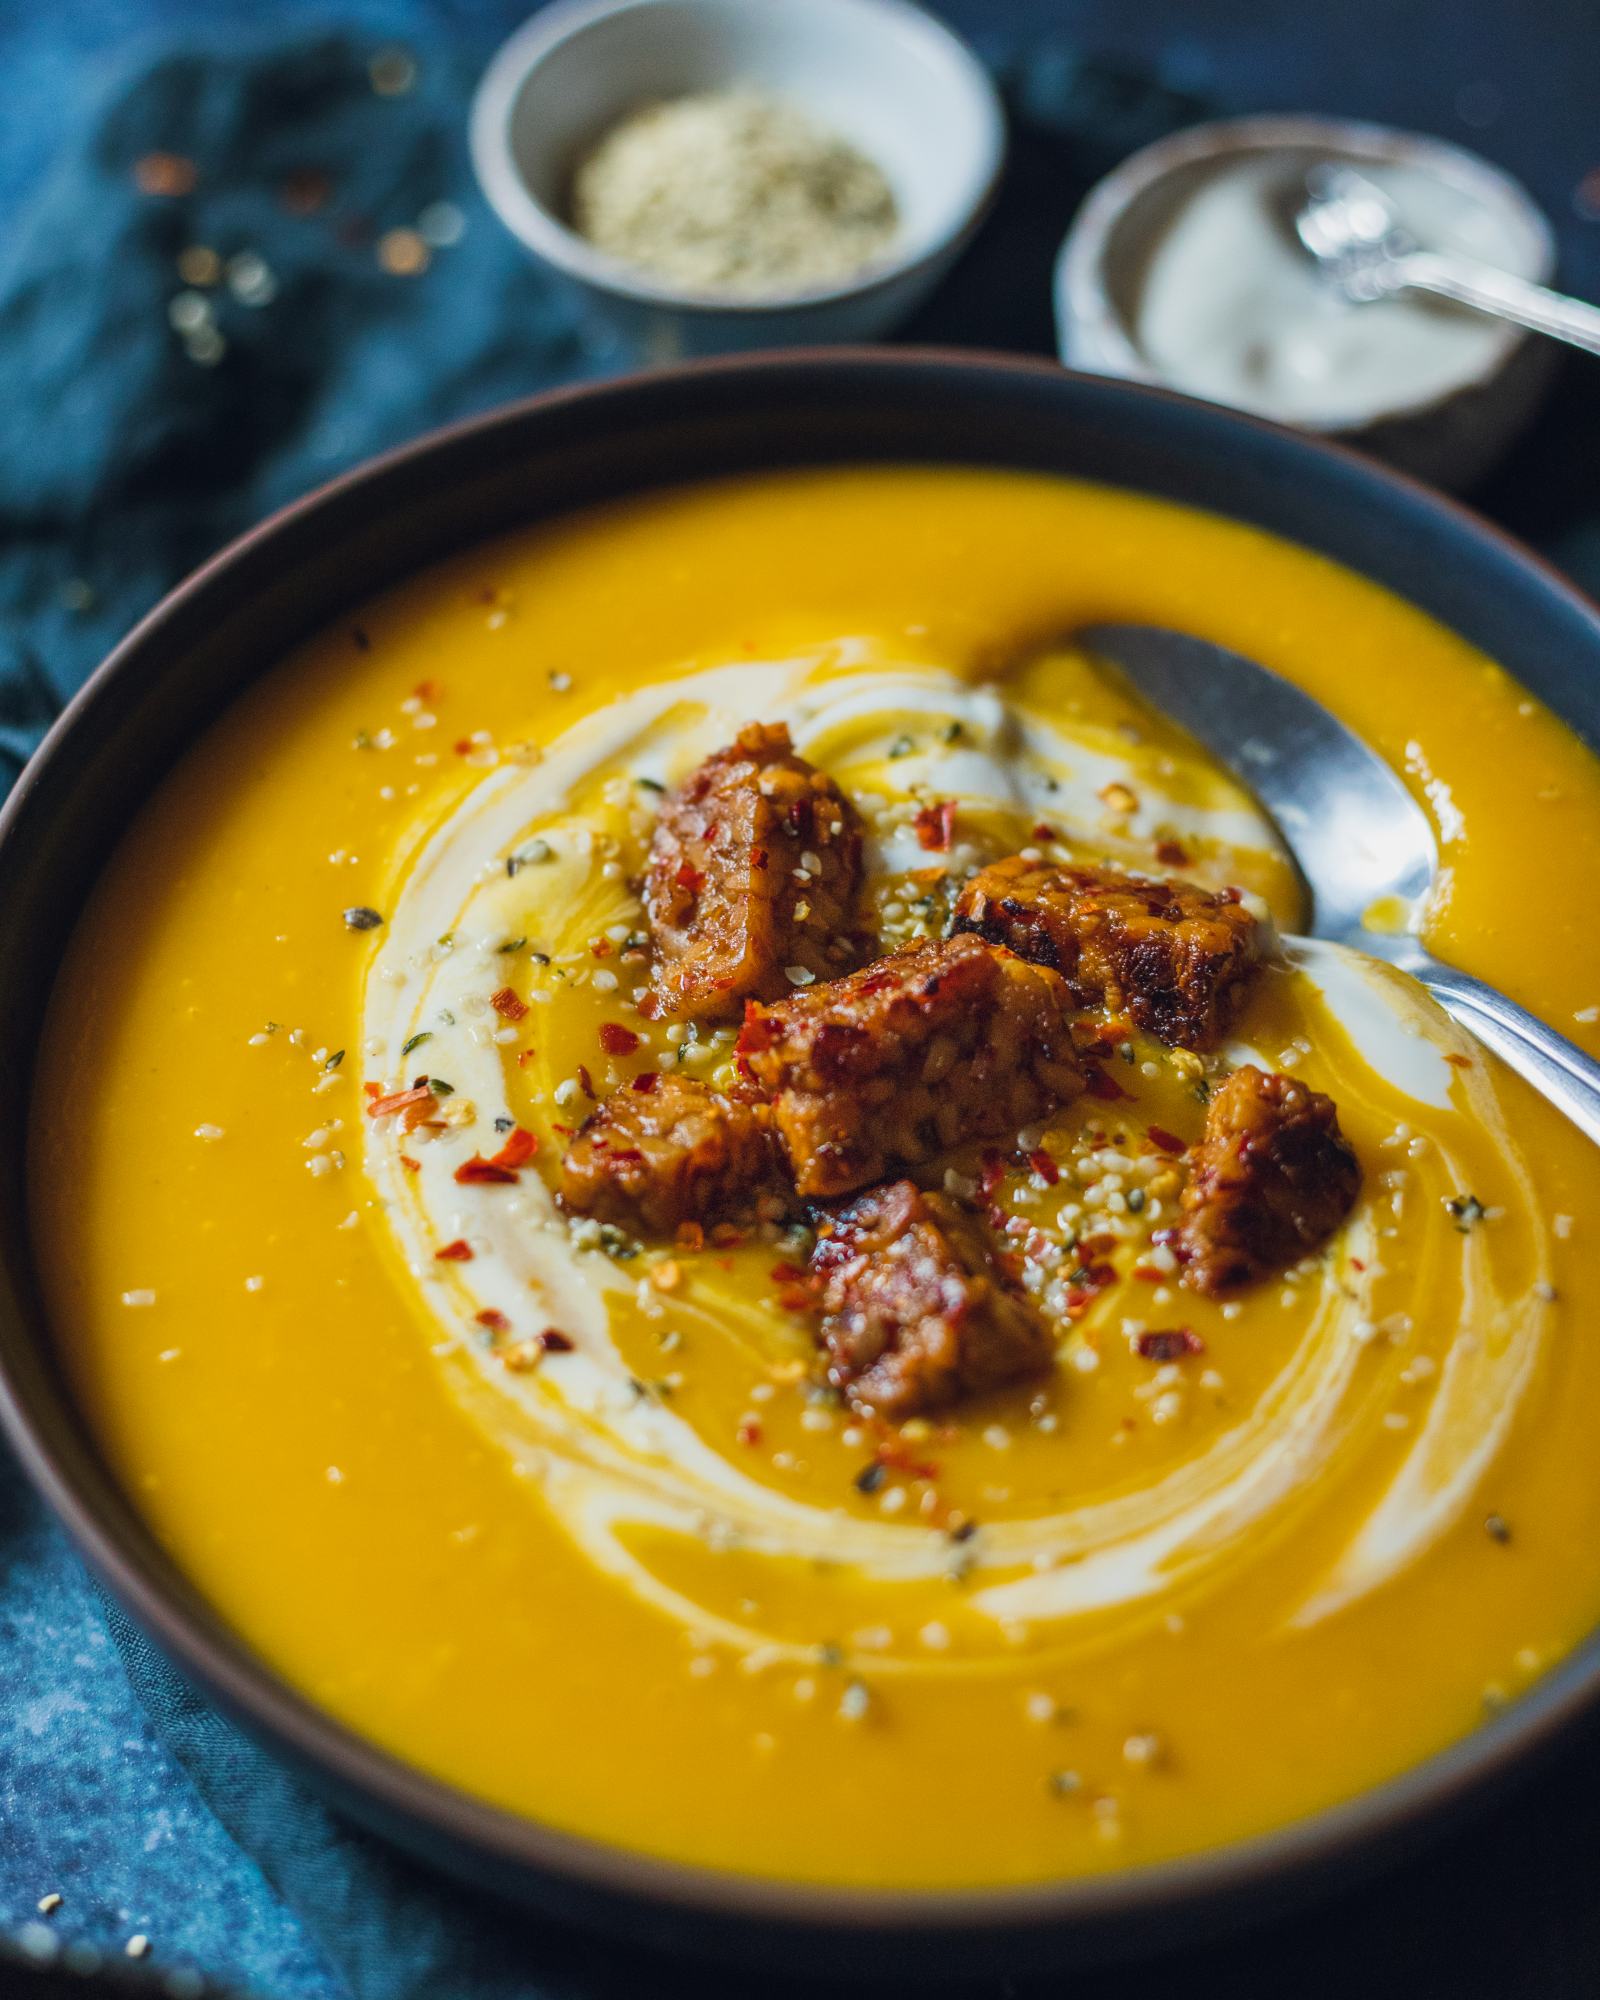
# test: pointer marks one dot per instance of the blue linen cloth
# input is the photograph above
(130, 448)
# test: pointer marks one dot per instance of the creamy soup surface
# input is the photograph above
(568, 1514)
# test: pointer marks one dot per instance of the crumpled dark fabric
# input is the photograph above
(124, 462)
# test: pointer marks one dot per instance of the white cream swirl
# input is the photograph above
(626, 1475)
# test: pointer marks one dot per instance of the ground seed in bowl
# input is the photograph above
(733, 191)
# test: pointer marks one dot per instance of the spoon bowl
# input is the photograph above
(1354, 231)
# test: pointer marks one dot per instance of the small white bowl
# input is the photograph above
(1451, 437)
(882, 73)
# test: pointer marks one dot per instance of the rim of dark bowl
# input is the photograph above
(766, 411)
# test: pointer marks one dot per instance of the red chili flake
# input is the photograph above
(507, 1005)
(898, 1459)
(742, 1067)
(759, 859)
(689, 877)
(936, 827)
(617, 1040)
(462, 746)
(1460, 1062)
(524, 1057)
(749, 1432)
(1357, 1264)
(411, 1166)
(601, 947)
(1147, 1274)
(646, 1081)
(586, 1084)
(566, 1131)
(478, 1169)
(991, 1170)
(1101, 1084)
(1044, 1166)
(459, 1252)
(1169, 1343)
(728, 1236)
(495, 1321)
(1092, 1281)
(757, 1033)
(1044, 832)
(1169, 1142)
(1173, 853)
(787, 1274)
(517, 1151)
(400, 1100)
(554, 1341)
(795, 1299)
(373, 1089)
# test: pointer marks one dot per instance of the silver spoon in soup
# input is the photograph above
(1363, 846)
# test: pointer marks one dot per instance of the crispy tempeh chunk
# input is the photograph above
(1271, 1178)
(754, 868)
(939, 1043)
(1176, 958)
(917, 1311)
(679, 1153)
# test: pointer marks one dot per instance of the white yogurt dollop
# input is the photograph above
(1234, 309)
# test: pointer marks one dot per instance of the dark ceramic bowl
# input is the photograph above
(238, 616)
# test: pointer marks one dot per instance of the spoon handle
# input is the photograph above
(1498, 292)
(1552, 1064)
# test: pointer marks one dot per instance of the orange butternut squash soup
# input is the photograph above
(702, 1186)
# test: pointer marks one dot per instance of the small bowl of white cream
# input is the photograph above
(1183, 268)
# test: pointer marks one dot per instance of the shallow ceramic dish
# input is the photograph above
(882, 73)
(1452, 437)
(237, 617)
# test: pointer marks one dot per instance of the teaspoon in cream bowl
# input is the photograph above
(1355, 233)
(1362, 844)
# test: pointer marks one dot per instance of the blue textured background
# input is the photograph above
(120, 466)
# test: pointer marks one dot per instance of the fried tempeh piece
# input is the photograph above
(941, 1042)
(678, 1153)
(754, 868)
(917, 1311)
(1176, 958)
(1272, 1178)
